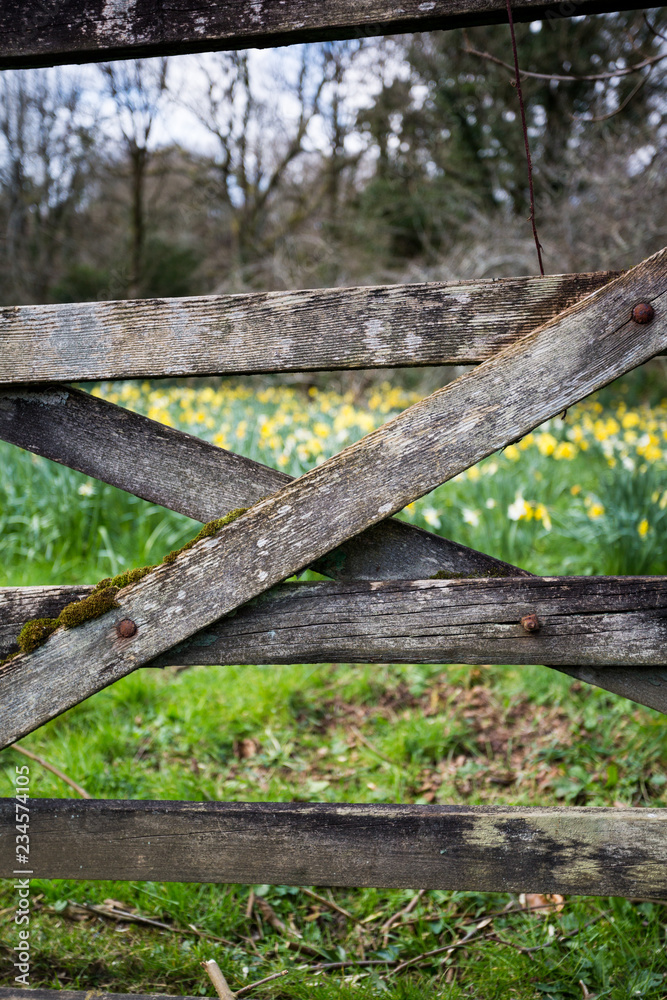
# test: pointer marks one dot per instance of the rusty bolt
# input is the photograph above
(531, 623)
(643, 312)
(126, 629)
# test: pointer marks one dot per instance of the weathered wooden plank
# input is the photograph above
(196, 478)
(73, 31)
(598, 621)
(590, 851)
(614, 627)
(593, 621)
(556, 365)
(388, 326)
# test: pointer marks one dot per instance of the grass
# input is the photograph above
(344, 732)
(347, 733)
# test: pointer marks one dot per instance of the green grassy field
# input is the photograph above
(584, 494)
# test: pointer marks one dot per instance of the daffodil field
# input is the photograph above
(585, 493)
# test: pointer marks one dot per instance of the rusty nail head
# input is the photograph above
(126, 628)
(643, 312)
(531, 623)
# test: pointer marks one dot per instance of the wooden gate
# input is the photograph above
(541, 344)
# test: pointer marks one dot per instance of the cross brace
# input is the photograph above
(553, 367)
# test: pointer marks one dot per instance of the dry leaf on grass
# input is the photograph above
(541, 905)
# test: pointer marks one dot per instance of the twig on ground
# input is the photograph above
(472, 935)
(584, 991)
(369, 746)
(271, 916)
(125, 916)
(386, 927)
(250, 904)
(260, 982)
(511, 944)
(53, 769)
(207, 935)
(322, 966)
(219, 982)
(330, 903)
(547, 944)
(305, 948)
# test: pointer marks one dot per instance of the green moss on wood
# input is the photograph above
(103, 598)
(207, 531)
(124, 579)
(93, 606)
(35, 632)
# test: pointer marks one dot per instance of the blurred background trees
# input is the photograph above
(353, 162)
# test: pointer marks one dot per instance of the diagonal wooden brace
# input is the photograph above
(195, 478)
(555, 366)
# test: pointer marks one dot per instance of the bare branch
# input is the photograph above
(612, 74)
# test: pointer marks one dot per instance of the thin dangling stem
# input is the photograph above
(517, 72)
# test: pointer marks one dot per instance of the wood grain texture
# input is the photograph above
(556, 365)
(598, 621)
(193, 477)
(612, 627)
(593, 621)
(589, 851)
(56, 31)
(387, 326)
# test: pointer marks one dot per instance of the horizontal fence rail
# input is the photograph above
(591, 621)
(537, 377)
(202, 481)
(56, 31)
(21, 604)
(613, 628)
(591, 851)
(388, 326)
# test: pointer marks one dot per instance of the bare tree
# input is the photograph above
(137, 89)
(253, 176)
(46, 164)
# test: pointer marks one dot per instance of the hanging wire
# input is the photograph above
(526, 141)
